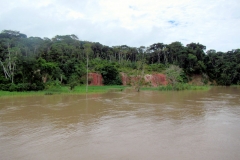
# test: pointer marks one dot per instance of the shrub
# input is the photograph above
(110, 75)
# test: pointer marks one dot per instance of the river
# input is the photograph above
(122, 125)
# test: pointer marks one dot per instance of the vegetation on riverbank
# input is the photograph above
(65, 90)
(178, 87)
(43, 64)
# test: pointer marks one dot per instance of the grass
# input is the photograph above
(65, 90)
(98, 89)
(8, 93)
(177, 87)
(235, 85)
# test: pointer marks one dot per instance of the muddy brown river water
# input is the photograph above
(124, 125)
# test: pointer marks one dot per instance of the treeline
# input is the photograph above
(34, 63)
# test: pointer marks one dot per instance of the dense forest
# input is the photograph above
(33, 63)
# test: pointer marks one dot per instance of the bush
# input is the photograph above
(5, 87)
(3, 80)
(181, 87)
(52, 84)
(20, 87)
(37, 86)
(155, 67)
(12, 87)
(23, 87)
(73, 81)
(110, 75)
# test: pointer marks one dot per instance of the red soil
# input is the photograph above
(95, 79)
(149, 79)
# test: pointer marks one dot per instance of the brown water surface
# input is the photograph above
(123, 125)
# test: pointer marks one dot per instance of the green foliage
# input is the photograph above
(97, 89)
(177, 87)
(5, 87)
(110, 75)
(73, 81)
(181, 87)
(46, 67)
(96, 64)
(157, 67)
(27, 61)
(3, 80)
(20, 87)
(65, 90)
(52, 84)
(174, 75)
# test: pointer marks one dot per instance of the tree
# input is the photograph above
(110, 74)
(9, 64)
(173, 74)
(12, 34)
(46, 68)
(195, 59)
(158, 49)
(30, 59)
(97, 49)
(176, 53)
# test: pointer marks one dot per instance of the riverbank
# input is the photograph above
(65, 90)
(101, 89)
(178, 87)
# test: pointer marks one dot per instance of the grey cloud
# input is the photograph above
(211, 24)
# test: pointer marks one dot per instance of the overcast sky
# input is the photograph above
(213, 23)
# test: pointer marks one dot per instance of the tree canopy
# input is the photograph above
(34, 61)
